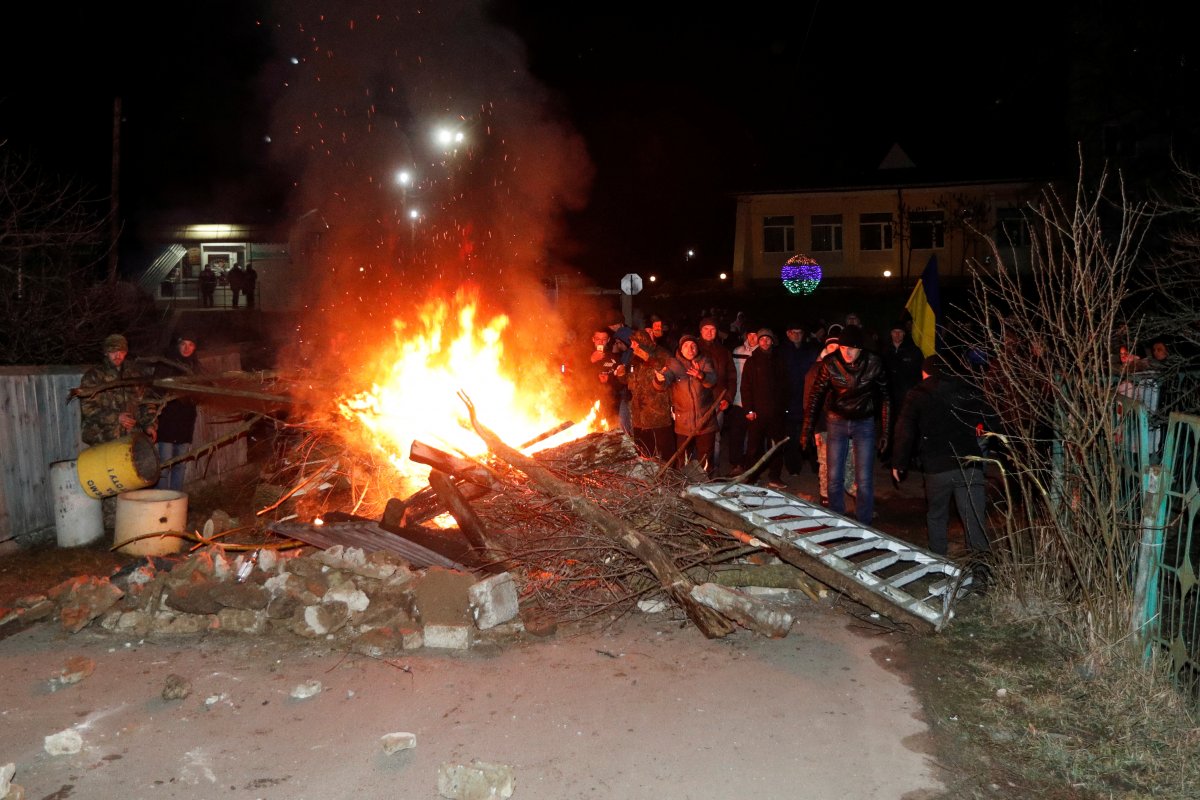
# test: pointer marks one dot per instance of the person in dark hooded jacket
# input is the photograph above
(765, 399)
(177, 417)
(942, 422)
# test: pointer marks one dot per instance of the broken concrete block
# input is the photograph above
(73, 671)
(137, 622)
(493, 600)
(64, 743)
(83, 599)
(356, 600)
(322, 620)
(412, 638)
(193, 597)
(395, 742)
(176, 687)
(6, 775)
(179, 624)
(242, 620)
(241, 595)
(441, 596)
(478, 780)
(268, 561)
(307, 689)
(448, 637)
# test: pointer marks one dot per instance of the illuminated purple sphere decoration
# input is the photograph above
(800, 274)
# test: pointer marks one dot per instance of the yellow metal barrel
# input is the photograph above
(121, 465)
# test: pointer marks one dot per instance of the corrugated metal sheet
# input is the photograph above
(161, 267)
(367, 536)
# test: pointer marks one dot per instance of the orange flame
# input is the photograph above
(414, 390)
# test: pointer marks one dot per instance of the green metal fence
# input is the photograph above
(1168, 600)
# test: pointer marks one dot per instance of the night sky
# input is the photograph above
(608, 136)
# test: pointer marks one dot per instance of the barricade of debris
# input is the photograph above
(374, 604)
(587, 531)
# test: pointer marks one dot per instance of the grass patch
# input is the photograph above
(1016, 714)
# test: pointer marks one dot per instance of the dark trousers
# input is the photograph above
(793, 456)
(655, 442)
(761, 435)
(969, 490)
(733, 437)
(700, 449)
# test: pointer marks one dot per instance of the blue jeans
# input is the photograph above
(839, 434)
(172, 477)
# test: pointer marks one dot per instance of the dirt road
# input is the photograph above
(644, 709)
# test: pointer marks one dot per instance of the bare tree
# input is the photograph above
(53, 239)
(1050, 336)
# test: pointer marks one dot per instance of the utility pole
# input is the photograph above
(114, 222)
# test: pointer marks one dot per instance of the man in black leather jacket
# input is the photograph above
(856, 384)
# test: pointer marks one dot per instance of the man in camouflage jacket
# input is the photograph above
(112, 413)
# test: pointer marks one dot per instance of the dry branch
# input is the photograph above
(670, 578)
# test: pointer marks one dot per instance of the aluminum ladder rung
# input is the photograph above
(809, 530)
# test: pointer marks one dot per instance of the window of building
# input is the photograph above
(779, 234)
(927, 229)
(1012, 230)
(875, 231)
(826, 232)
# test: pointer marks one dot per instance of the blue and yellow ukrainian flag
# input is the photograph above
(925, 306)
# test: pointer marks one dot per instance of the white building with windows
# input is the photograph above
(884, 231)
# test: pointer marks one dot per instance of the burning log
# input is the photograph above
(468, 521)
(470, 480)
(670, 577)
(450, 464)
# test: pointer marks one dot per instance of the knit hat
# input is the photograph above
(115, 342)
(767, 332)
(851, 336)
(706, 321)
(897, 326)
(687, 337)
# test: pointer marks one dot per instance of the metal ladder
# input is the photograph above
(891, 576)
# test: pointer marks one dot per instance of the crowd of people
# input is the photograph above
(738, 400)
(722, 393)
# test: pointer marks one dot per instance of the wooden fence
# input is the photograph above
(39, 425)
